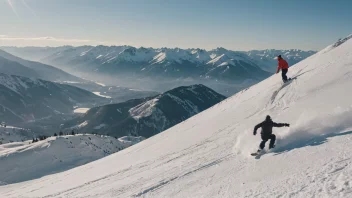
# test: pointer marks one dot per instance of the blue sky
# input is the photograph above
(233, 24)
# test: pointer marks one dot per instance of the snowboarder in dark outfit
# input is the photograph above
(267, 132)
(283, 66)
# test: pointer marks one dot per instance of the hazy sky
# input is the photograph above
(233, 24)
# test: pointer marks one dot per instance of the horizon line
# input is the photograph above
(75, 46)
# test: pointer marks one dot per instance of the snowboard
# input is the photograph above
(258, 153)
(289, 79)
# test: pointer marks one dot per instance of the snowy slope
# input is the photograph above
(21, 161)
(14, 134)
(208, 154)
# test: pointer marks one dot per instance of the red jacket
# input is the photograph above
(282, 65)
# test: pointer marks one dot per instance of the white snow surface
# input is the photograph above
(101, 95)
(101, 84)
(14, 134)
(131, 140)
(83, 124)
(18, 84)
(144, 110)
(21, 161)
(208, 154)
(81, 110)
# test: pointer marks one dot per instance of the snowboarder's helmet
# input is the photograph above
(278, 57)
(268, 117)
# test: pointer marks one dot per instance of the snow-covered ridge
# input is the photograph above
(29, 99)
(146, 116)
(181, 96)
(18, 84)
(21, 161)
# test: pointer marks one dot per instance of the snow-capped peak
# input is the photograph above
(218, 60)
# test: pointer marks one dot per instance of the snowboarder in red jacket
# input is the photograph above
(267, 132)
(283, 66)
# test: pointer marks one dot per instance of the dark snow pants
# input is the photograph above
(283, 74)
(265, 138)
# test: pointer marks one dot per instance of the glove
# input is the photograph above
(254, 133)
(287, 125)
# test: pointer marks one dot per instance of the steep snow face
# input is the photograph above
(177, 56)
(218, 60)
(208, 154)
(133, 55)
(201, 55)
(21, 161)
(144, 110)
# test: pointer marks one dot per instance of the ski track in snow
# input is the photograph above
(208, 155)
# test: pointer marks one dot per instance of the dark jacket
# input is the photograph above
(267, 127)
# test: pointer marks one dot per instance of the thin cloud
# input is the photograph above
(46, 38)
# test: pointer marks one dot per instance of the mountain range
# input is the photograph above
(220, 64)
(265, 59)
(28, 99)
(147, 116)
(161, 69)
